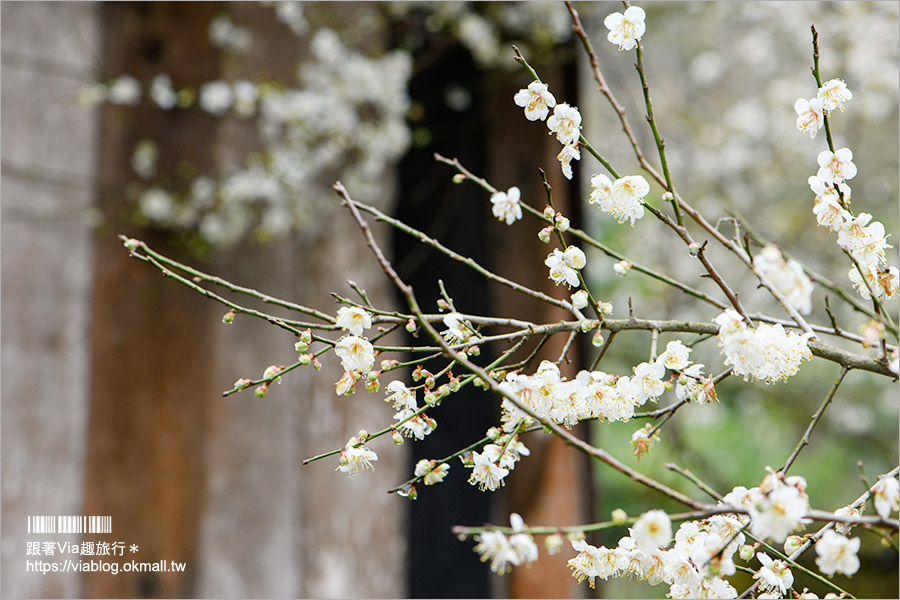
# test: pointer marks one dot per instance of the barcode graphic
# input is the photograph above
(69, 524)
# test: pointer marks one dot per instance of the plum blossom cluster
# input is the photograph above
(565, 122)
(491, 466)
(694, 567)
(411, 422)
(506, 206)
(767, 353)
(787, 276)
(503, 552)
(599, 395)
(564, 266)
(356, 457)
(346, 117)
(863, 238)
(622, 198)
(625, 30)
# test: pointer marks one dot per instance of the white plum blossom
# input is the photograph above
(864, 239)
(622, 198)
(564, 266)
(626, 29)
(591, 562)
(353, 319)
(412, 425)
(653, 530)
(837, 554)
(536, 99)
(787, 276)
(356, 458)
(506, 206)
(833, 94)
(809, 119)
(458, 331)
(523, 543)
(486, 474)
(675, 358)
(401, 396)
(356, 353)
(777, 514)
(836, 167)
(648, 379)
(565, 123)
(565, 157)
(829, 212)
(774, 575)
(495, 547)
(863, 281)
(886, 495)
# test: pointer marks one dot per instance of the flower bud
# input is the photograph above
(410, 493)
(398, 439)
(454, 384)
(619, 516)
(579, 299)
(792, 544)
(575, 536)
(668, 197)
(133, 244)
(587, 325)
(597, 338)
(306, 336)
(694, 249)
(271, 372)
(305, 359)
(459, 178)
(544, 234)
(429, 382)
(301, 347)
(493, 433)
(562, 223)
(622, 268)
(430, 399)
(242, 383)
(228, 318)
(554, 544)
(432, 424)
(443, 305)
(362, 435)
(606, 308)
(316, 364)
(372, 385)
(262, 391)
(549, 213)
(475, 351)
(411, 326)
(746, 552)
